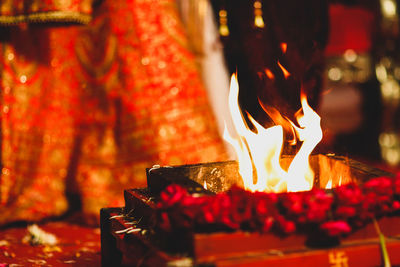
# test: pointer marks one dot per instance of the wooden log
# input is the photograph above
(220, 176)
(125, 248)
(139, 206)
(110, 255)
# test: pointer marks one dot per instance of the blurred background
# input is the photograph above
(344, 55)
(94, 92)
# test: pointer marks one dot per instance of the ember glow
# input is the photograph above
(259, 150)
(284, 71)
(330, 184)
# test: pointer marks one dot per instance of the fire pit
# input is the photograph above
(220, 176)
(130, 235)
(265, 209)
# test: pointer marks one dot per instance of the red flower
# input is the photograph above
(172, 194)
(318, 203)
(397, 184)
(376, 204)
(164, 222)
(264, 204)
(396, 205)
(208, 216)
(261, 207)
(286, 226)
(240, 209)
(241, 205)
(221, 207)
(293, 202)
(190, 201)
(267, 224)
(191, 206)
(379, 185)
(336, 228)
(264, 210)
(346, 212)
(349, 194)
(310, 206)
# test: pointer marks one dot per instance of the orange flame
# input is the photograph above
(278, 119)
(285, 72)
(259, 151)
(269, 74)
(311, 134)
(284, 47)
(329, 184)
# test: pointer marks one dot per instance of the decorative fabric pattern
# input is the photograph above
(32, 11)
(86, 109)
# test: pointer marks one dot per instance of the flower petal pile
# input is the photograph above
(334, 212)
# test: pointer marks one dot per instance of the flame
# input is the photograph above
(259, 150)
(284, 47)
(311, 134)
(329, 184)
(278, 119)
(205, 185)
(269, 74)
(285, 72)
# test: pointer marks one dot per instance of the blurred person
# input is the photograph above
(92, 93)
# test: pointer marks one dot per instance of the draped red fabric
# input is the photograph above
(85, 109)
(351, 28)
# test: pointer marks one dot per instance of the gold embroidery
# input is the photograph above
(38, 11)
(52, 16)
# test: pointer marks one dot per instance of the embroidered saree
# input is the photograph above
(86, 108)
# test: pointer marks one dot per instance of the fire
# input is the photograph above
(284, 47)
(329, 184)
(259, 149)
(269, 74)
(285, 72)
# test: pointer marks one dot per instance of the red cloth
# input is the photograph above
(77, 246)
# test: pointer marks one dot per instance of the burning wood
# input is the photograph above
(259, 149)
(220, 176)
(140, 212)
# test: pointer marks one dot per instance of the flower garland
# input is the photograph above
(332, 213)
